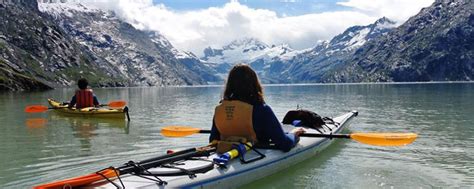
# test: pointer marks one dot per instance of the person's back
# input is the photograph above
(243, 113)
(83, 97)
(233, 118)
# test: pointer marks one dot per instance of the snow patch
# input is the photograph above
(359, 39)
(66, 8)
(248, 50)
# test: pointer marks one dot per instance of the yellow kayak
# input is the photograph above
(116, 113)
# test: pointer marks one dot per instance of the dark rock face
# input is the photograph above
(36, 54)
(12, 80)
(142, 58)
(41, 50)
(435, 45)
(30, 4)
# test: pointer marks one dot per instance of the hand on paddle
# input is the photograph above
(298, 131)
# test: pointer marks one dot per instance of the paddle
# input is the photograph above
(377, 139)
(128, 168)
(41, 108)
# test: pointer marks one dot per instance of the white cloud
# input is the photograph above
(397, 10)
(217, 26)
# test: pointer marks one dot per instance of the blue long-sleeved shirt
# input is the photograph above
(267, 128)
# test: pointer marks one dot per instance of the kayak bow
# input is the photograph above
(130, 167)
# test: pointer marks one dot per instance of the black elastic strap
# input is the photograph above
(110, 181)
(318, 130)
(328, 127)
(188, 172)
(139, 172)
(244, 161)
(158, 181)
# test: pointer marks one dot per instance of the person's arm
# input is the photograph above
(96, 102)
(215, 135)
(73, 102)
(283, 141)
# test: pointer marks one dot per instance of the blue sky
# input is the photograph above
(281, 7)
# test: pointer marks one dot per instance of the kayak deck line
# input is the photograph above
(238, 174)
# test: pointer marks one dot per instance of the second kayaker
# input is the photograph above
(244, 113)
(84, 96)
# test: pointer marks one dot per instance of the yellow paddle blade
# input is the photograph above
(178, 131)
(384, 139)
(117, 104)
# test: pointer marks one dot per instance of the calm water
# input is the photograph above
(442, 115)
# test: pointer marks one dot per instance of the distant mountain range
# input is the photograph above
(313, 65)
(282, 64)
(247, 50)
(437, 44)
(48, 45)
(434, 45)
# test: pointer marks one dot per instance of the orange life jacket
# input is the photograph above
(234, 119)
(84, 98)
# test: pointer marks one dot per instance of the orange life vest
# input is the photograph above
(84, 98)
(234, 119)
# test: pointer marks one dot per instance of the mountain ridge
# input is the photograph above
(143, 58)
(37, 55)
(437, 44)
(52, 44)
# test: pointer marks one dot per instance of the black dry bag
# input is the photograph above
(307, 118)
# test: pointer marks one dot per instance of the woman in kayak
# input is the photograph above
(84, 97)
(243, 113)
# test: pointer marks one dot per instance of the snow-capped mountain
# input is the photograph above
(356, 36)
(282, 64)
(246, 50)
(143, 58)
(311, 65)
(237, 51)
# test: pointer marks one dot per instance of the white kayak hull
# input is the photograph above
(236, 173)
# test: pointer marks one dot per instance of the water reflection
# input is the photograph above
(86, 128)
(35, 123)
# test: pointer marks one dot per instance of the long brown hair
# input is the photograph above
(242, 84)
